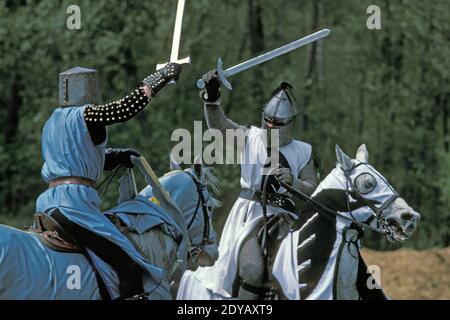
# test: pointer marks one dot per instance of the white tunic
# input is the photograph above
(217, 281)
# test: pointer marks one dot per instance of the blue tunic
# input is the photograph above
(68, 150)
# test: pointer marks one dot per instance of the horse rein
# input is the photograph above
(201, 201)
(108, 179)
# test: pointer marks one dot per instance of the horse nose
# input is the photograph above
(411, 216)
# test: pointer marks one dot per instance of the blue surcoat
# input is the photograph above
(68, 150)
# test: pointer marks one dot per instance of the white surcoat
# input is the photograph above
(216, 282)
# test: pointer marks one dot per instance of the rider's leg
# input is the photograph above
(129, 272)
(251, 270)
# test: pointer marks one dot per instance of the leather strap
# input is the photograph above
(259, 291)
(46, 222)
(273, 199)
(72, 180)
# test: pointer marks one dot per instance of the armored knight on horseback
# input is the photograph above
(297, 167)
(74, 142)
(268, 250)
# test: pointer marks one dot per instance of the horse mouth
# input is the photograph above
(395, 232)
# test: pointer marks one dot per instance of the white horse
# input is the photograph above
(316, 256)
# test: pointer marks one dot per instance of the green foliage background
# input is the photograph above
(387, 88)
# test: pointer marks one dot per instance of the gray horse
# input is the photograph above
(188, 190)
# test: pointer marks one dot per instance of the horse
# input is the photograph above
(30, 268)
(197, 213)
(316, 254)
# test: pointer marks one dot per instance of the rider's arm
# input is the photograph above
(119, 110)
(216, 118)
(307, 180)
(214, 114)
(99, 116)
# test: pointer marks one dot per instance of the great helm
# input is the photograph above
(78, 87)
(280, 112)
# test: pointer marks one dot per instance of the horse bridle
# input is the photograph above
(377, 211)
(382, 225)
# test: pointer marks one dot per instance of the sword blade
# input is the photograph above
(177, 31)
(276, 53)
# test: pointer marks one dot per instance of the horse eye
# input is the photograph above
(365, 183)
(369, 184)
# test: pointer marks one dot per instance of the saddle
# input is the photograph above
(55, 235)
(52, 234)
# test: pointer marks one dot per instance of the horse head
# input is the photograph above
(364, 196)
(352, 197)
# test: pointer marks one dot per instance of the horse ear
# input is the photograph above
(362, 154)
(343, 159)
(198, 166)
(173, 163)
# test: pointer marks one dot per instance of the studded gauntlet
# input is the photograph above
(117, 111)
(156, 81)
(126, 108)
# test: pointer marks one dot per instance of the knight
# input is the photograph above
(296, 167)
(73, 142)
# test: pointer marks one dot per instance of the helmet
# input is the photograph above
(279, 113)
(78, 87)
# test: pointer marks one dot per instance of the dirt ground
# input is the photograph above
(412, 274)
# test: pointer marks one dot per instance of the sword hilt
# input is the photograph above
(222, 77)
(200, 84)
(186, 60)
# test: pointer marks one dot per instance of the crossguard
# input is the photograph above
(221, 74)
(186, 60)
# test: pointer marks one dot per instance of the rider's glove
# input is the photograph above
(285, 175)
(116, 157)
(211, 93)
(157, 80)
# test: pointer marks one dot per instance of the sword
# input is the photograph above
(176, 39)
(225, 74)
